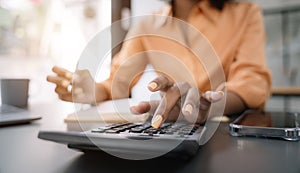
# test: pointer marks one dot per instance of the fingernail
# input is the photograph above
(78, 91)
(217, 95)
(152, 85)
(156, 121)
(188, 108)
(221, 92)
(76, 78)
(207, 95)
(69, 75)
(65, 83)
(133, 109)
(82, 95)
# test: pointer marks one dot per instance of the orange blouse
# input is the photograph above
(236, 34)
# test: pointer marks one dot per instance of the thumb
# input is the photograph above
(213, 96)
(144, 107)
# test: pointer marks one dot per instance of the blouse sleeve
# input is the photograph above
(248, 75)
(127, 66)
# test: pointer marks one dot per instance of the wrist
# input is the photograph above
(100, 93)
(234, 104)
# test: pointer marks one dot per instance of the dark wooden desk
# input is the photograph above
(286, 91)
(22, 151)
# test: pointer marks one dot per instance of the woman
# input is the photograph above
(236, 32)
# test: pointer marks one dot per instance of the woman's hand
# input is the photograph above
(195, 105)
(77, 87)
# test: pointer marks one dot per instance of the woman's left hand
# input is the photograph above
(195, 105)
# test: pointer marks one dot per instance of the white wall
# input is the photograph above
(138, 8)
(142, 7)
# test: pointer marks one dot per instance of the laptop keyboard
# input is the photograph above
(147, 129)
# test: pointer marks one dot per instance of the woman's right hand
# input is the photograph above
(76, 87)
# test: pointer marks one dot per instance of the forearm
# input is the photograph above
(234, 104)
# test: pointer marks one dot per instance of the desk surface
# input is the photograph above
(22, 151)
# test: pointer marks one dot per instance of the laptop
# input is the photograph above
(129, 140)
(11, 115)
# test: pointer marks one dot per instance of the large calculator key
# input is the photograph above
(98, 131)
(112, 131)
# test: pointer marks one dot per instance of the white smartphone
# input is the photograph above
(283, 125)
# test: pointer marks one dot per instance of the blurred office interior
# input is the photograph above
(37, 34)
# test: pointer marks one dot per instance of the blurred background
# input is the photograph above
(37, 34)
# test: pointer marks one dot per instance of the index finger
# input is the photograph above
(160, 83)
(144, 107)
(58, 81)
(168, 102)
(62, 72)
